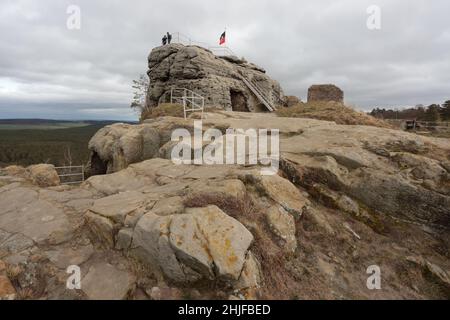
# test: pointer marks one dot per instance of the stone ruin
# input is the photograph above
(217, 78)
(325, 92)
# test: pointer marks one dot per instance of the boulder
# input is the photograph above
(43, 175)
(283, 192)
(291, 101)
(203, 243)
(282, 225)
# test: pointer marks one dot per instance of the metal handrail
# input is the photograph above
(188, 97)
(258, 93)
(181, 38)
(80, 174)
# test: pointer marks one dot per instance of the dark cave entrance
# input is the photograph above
(98, 166)
(238, 101)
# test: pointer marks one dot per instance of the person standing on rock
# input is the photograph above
(164, 40)
(169, 38)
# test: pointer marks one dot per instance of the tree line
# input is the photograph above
(433, 112)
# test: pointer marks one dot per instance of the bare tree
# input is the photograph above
(68, 157)
(140, 87)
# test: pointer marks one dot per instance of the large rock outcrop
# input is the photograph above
(385, 170)
(216, 78)
(345, 198)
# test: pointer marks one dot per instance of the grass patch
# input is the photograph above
(231, 205)
(162, 110)
(331, 111)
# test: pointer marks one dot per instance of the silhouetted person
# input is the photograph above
(164, 40)
(169, 37)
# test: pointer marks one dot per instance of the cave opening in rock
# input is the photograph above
(238, 101)
(98, 166)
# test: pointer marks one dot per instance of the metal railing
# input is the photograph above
(178, 37)
(258, 92)
(190, 100)
(67, 175)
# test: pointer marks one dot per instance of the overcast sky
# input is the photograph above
(49, 71)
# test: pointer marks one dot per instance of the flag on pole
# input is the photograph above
(222, 38)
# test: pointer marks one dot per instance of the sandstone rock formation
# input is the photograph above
(325, 92)
(216, 78)
(43, 175)
(366, 163)
(345, 198)
(292, 101)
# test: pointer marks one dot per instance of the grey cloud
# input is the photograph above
(47, 69)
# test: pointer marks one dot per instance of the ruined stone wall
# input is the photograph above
(325, 92)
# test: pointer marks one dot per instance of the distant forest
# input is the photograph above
(434, 112)
(58, 146)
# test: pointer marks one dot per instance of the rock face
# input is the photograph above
(204, 243)
(105, 282)
(345, 198)
(325, 92)
(385, 170)
(216, 78)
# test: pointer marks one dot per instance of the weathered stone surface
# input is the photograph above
(64, 257)
(123, 180)
(215, 78)
(190, 245)
(44, 175)
(124, 239)
(114, 147)
(250, 275)
(228, 240)
(230, 188)
(15, 170)
(65, 195)
(14, 199)
(344, 159)
(325, 92)
(282, 225)
(22, 212)
(291, 101)
(15, 243)
(7, 291)
(106, 282)
(168, 206)
(205, 240)
(101, 227)
(371, 173)
(283, 192)
(435, 270)
(157, 293)
(118, 206)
